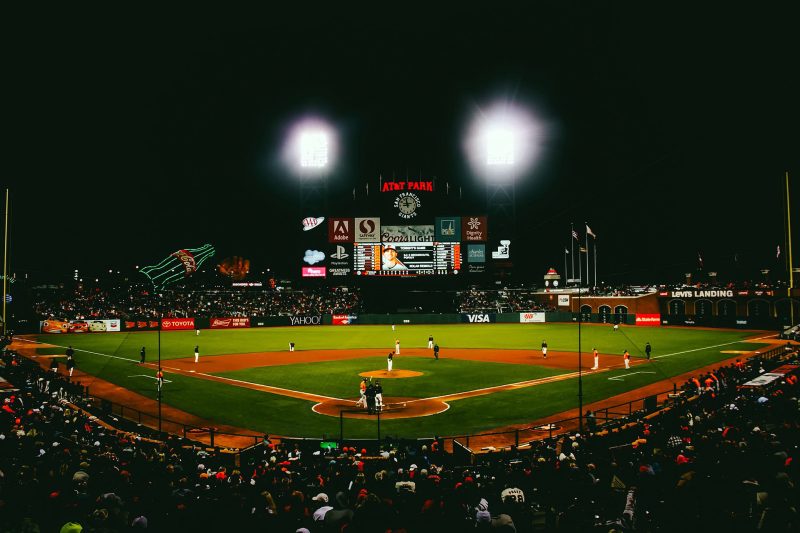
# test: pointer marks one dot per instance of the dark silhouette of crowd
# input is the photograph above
(721, 458)
(140, 301)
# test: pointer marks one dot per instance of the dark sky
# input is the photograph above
(132, 135)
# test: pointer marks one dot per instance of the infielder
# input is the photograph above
(397, 347)
(196, 353)
(544, 349)
(389, 361)
(627, 357)
(596, 359)
(430, 342)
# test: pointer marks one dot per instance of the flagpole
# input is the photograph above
(791, 265)
(572, 249)
(5, 266)
(587, 258)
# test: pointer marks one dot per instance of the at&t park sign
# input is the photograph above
(395, 186)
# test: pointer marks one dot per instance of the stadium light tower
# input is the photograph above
(502, 143)
(310, 154)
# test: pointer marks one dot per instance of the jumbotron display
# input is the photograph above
(406, 258)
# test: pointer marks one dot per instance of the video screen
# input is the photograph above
(407, 258)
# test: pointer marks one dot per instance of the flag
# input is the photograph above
(589, 231)
(778, 253)
(699, 260)
(180, 264)
(575, 235)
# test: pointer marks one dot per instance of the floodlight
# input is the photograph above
(313, 149)
(310, 147)
(503, 141)
(499, 147)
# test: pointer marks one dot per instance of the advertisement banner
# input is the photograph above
(447, 229)
(340, 260)
(313, 320)
(344, 320)
(474, 229)
(177, 323)
(648, 320)
(531, 317)
(54, 326)
(407, 233)
(234, 322)
(79, 326)
(314, 272)
(478, 318)
(476, 253)
(563, 300)
(368, 229)
(140, 324)
(340, 230)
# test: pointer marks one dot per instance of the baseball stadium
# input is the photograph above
(559, 320)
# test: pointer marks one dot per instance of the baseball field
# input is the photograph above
(488, 376)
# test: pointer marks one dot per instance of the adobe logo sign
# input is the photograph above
(314, 272)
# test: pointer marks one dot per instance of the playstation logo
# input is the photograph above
(340, 253)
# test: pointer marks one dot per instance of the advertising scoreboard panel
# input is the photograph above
(407, 258)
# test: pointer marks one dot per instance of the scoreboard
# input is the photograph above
(406, 258)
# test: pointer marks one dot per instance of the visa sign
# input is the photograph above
(478, 318)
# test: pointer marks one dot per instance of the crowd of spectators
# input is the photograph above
(475, 300)
(139, 301)
(720, 460)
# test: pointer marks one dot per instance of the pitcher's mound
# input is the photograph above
(393, 408)
(385, 374)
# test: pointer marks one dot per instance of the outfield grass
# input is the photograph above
(113, 356)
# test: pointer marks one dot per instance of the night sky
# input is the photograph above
(668, 130)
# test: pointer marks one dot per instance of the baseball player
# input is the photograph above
(596, 359)
(544, 349)
(389, 361)
(397, 347)
(196, 353)
(627, 357)
(362, 391)
(378, 396)
(430, 342)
